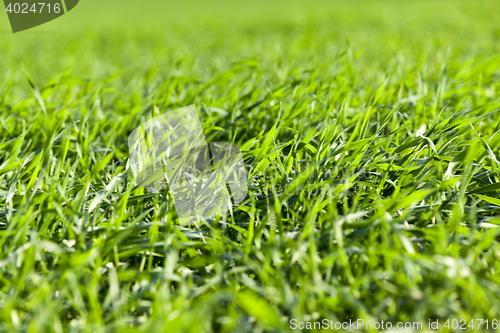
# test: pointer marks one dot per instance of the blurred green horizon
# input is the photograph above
(95, 28)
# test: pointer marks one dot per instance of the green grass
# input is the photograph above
(370, 132)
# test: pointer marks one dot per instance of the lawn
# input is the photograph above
(371, 138)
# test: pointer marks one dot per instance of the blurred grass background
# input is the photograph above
(138, 36)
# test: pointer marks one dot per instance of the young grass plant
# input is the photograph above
(372, 168)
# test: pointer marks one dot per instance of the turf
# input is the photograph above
(370, 133)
